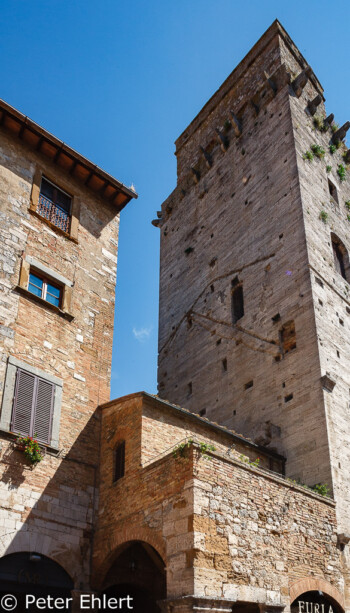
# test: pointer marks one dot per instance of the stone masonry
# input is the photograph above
(250, 212)
(50, 508)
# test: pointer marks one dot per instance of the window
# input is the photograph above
(333, 191)
(44, 284)
(54, 204)
(44, 289)
(57, 206)
(119, 461)
(341, 257)
(32, 406)
(237, 305)
(31, 402)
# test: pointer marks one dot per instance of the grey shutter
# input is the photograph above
(43, 410)
(23, 402)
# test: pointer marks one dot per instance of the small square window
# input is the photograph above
(45, 289)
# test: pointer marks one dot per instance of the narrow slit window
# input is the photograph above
(119, 461)
(333, 191)
(341, 257)
(237, 303)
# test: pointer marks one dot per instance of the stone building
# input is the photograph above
(58, 255)
(215, 506)
(253, 335)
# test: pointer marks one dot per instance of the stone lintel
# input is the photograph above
(188, 604)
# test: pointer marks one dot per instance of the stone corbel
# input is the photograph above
(313, 104)
(236, 124)
(328, 383)
(341, 133)
(300, 81)
(188, 604)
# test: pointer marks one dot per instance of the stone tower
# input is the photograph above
(254, 276)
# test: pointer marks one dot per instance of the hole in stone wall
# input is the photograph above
(189, 389)
(288, 398)
(341, 322)
(338, 354)
(276, 318)
(320, 302)
(212, 262)
(333, 191)
(280, 236)
(277, 358)
(237, 304)
(234, 412)
(341, 257)
(283, 384)
(348, 310)
(318, 281)
(212, 288)
(218, 342)
(202, 412)
(224, 364)
(288, 337)
(248, 385)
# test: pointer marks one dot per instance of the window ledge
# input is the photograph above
(44, 303)
(11, 436)
(52, 226)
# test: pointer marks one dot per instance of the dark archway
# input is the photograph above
(139, 572)
(315, 602)
(25, 573)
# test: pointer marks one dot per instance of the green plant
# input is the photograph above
(189, 250)
(341, 172)
(328, 168)
(348, 217)
(320, 124)
(308, 156)
(324, 216)
(30, 448)
(180, 450)
(318, 151)
(332, 149)
(204, 448)
(334, 127)
(320, 488)
(246, 460)
(347, 204)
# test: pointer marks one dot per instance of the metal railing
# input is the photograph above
(54, 213)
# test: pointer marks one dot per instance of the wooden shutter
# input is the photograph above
(119, 461)
(23, 402)
(43, 409)
(33, 406)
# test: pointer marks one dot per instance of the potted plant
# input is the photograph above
(30, 447)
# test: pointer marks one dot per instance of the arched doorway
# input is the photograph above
(139, 572)
(27, 573)
(315, 601)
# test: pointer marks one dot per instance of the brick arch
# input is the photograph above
(312, 584)
(124, 536)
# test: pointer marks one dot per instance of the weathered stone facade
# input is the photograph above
(246, 213)
(227, 531)
(49, 509)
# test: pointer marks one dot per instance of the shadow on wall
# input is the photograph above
(49, 512)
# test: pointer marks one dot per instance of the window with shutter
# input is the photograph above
(33, 406)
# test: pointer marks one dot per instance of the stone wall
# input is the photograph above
(236, 216)
(224, 529)
(50, 508)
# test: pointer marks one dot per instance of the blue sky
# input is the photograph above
(120, 80)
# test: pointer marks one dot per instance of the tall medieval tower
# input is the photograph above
(254, 275)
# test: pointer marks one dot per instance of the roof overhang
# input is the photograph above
(69, 160)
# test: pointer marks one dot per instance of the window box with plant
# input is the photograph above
(30, 447)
